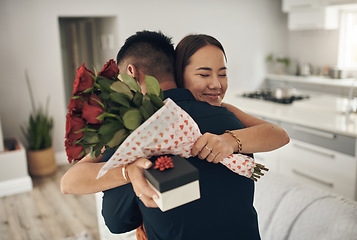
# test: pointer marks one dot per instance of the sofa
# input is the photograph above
(292, 211)
(288, 210)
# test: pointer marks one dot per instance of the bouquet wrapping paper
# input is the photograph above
(170, 130)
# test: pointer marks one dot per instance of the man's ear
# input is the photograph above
(132, 71)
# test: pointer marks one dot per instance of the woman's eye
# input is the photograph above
(204, 75)
(222, 75)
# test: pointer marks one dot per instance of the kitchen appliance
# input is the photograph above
(304, 69)
(278, 95)
(337, 73)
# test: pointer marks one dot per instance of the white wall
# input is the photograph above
(249, 30)
(318, 47)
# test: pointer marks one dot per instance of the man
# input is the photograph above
(226, 198)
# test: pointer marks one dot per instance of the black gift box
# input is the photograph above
(175, 186)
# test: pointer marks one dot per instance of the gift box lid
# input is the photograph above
(182, 173)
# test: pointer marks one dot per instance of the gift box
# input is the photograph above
(175, 186)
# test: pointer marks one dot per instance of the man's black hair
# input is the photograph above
(152, 52)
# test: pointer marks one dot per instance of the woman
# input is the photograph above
(200, 68)
(225, 209)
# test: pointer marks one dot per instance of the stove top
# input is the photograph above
(268, 95)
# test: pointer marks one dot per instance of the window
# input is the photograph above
(348, 40)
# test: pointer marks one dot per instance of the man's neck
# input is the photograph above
(167, 83)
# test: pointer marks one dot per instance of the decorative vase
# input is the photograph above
(41, 162)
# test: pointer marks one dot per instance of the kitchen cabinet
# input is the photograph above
(324, 159)
(291, 5)
(320, 158)
(313, 18)
(336, 2)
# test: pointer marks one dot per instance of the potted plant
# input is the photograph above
(38, 133)
(278, 65)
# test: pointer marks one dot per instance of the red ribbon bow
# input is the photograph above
(163, 163)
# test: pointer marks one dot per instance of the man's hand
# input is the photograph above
(141, 188)
(214, 148)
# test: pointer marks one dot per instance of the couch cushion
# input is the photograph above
(330, 218)
(279, 202)
(269, 192)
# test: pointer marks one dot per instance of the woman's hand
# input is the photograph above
(141, 188)
(214, 148)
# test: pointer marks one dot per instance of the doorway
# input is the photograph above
(89, 40)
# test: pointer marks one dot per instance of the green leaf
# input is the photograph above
(121, 87)
(120, 98)
(147, 104)
(161, 94)
(104, 96)
(132, 119)
(105, 115)
(106, 131)
(144, 112)
(138, 98)
(104, 84)
(90, 138)
(152, 85)
(118, 137)
(131, 82)
(157, 101)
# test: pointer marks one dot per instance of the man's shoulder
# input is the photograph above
(178, 94)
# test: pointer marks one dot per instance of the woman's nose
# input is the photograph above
(214, 83)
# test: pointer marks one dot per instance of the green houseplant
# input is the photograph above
(38, 133)
(279, 65)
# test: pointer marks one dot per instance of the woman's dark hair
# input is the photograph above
(188, 46)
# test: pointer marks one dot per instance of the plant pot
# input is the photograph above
(41, 162)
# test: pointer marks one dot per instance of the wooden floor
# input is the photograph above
(46, 214)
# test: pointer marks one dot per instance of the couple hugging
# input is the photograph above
(194, 76)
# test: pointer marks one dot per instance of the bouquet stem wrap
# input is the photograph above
(171, 130)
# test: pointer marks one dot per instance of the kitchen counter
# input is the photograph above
(318, 80)
(320, 111)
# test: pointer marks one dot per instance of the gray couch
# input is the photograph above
(292, 211)
(287, 210)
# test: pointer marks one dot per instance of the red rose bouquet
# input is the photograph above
(103, 110)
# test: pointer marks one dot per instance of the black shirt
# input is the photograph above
(225, 209)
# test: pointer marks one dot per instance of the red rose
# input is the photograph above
(92, 109)
(83, 80)
(76, 103)
(110, 70)
(74, 151)
(74, 124)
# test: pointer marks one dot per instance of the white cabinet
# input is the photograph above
(321, 167)
(336, 2)
(324, 159)
(269, 159)
(313, 18)
(312, 14)
(291, 5)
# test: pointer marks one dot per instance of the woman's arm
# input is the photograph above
(81, 177)
(257, 136)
